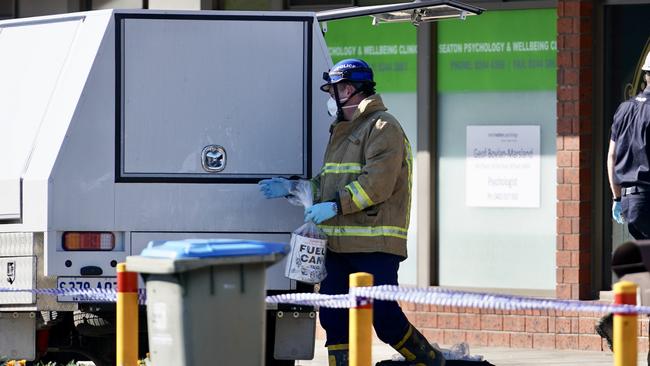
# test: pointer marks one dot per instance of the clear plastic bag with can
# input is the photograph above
(306, 260)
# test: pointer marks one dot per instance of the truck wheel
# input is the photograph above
(94, 324)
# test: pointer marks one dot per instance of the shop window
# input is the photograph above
(496, 150)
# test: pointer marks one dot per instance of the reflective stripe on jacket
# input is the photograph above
(368, 168)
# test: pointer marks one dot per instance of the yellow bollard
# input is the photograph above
(127, 317)
(625, 326)
(361, 323)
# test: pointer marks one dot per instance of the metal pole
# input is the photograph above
(625, 326)
(360, 323)
(127, 317)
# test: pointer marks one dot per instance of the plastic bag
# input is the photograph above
(306, 260)
(457, 352)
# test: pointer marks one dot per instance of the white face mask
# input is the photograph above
(332, 109)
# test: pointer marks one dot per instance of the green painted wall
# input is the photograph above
(498, 51)
(390, 49)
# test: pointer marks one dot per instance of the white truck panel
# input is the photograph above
(82, 179)
(10, 193)
(35, 214)
(16, 244)
(29, 79)
(17, 273)
(229, 87)
(201, 207)
(322, 61)
(76, 127)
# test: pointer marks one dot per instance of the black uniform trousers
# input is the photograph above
(389, 321)
(635, 208)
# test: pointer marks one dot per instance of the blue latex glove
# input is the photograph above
(320, 212)
(275, 187)
(616, 212)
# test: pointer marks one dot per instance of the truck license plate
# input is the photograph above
(86, 283)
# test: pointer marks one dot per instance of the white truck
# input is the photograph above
(119, 127)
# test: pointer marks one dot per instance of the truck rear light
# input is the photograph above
(88, 241)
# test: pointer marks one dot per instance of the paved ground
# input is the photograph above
(501, 356)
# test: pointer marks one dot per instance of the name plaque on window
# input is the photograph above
(503, 166)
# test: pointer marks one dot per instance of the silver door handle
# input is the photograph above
(213, 158)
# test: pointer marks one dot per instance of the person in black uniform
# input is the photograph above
(628, 168)
(628, 162)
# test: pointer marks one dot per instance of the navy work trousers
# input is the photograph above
(635, 208)
(388, 319)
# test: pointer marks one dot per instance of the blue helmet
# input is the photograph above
(353, 70)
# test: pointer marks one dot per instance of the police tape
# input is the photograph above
(76, 294)
(453, 298)
(417, 295)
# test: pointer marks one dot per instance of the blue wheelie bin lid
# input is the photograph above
(211, 248)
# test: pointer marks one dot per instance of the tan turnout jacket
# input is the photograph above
(368, 166)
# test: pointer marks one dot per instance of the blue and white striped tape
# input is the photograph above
(446, 297)
(81, 295)
(428, 296)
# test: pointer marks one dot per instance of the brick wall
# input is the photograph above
(574, 148)
(518, 329)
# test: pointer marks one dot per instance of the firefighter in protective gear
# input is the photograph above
(363, 199)
(367, 173)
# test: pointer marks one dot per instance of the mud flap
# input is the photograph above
(18, 335)
(295, 333)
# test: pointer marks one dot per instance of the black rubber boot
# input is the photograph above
(605, 329)
(337, 354)
(416, 350)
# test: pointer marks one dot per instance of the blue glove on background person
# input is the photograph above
(616, 212)
(275, 187)
(321, 212)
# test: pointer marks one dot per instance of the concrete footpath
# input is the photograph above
(499, 356)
